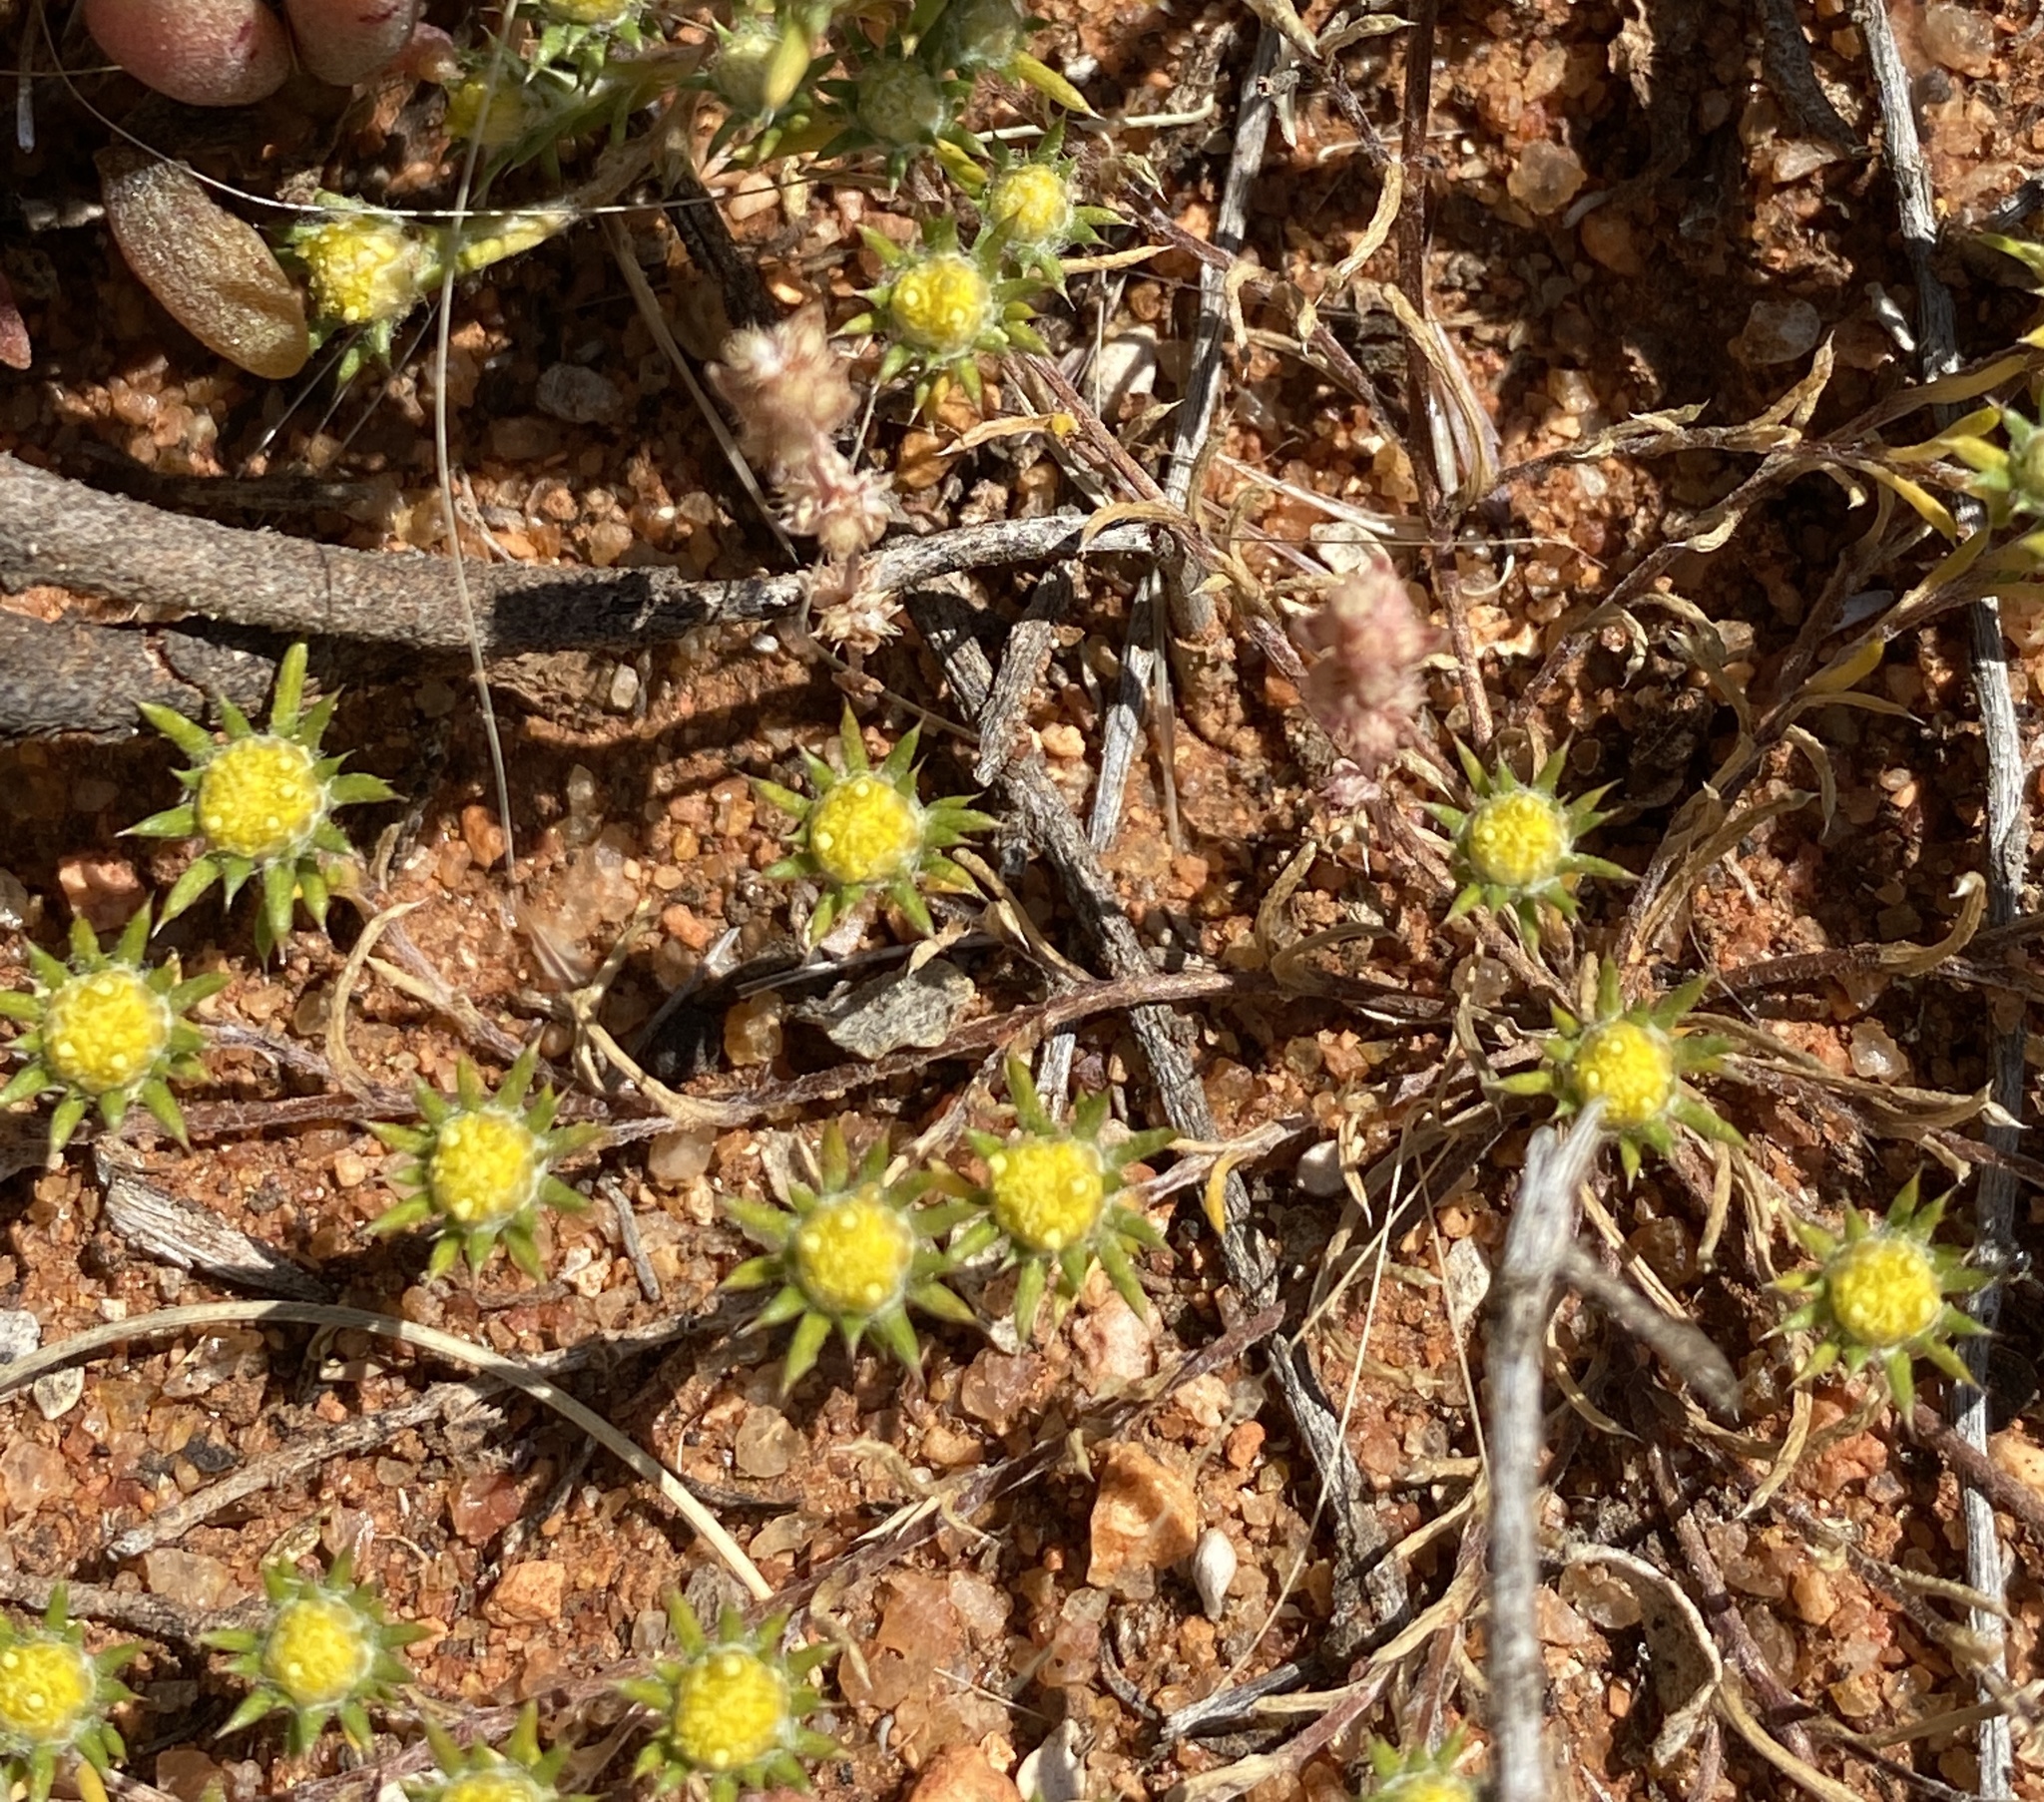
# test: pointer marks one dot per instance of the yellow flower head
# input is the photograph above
(480, 1167)
(494, 1786)
(1420, 1775)
(318, 1650)
(48, 1688)
(104, 1031)
(1051, 1193)
(1885, 1291)
(1033, 200)
(731, 1710)
(1634, 1061)
(54, 1697)
(1515, 844)
(261, 798)
(856, 1255)
(1884, 1294)
(865, 832)
(942, 305)
(328, 1650)
(262, 804)
(1046, 1193)
(1630, 1066)
(865, 829)
(515, 1772)
(368, 267)
(484, 1168)
(1517, 840)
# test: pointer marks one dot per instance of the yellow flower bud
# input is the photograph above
(852, 1256)
(47, 1689)
(1517, 840)
(941, 304)
(1046, 1193)
(865, 830)
(1885, 1291)
(320, 1651)
(483, 1167)
(730, 1709)
(261, 798)
(1631, 1067)
(104, 1031)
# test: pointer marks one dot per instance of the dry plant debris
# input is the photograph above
(1470, 583)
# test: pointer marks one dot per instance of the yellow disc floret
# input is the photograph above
(483, 1167)
(104, 1031)
(1033, 202)
(941, 304)
(365, 267)
(1631, 1067)
(1885, 1291)
(47, 1689)
(503, 1786)
(1046, 1193)
(261, 798)
(1517, 840)
(730, 1711)
(320, 1651)
(854, 1256)
(1425, 1786)
(865, 830)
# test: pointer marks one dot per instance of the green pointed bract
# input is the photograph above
(729, 1711)
(1052, 1197)
(1420, 1775)
(854, 1253)
(105, 1030)
(865, 832)
(1515, 843)
(54, 1699)
(481, 1167)
(515, 1771)
(1637, 1061)
(1882, 1296)
(326, 1652)
(260, 805)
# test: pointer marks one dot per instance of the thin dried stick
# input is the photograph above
(1420, 407)
(643, 298)
(1047, 819)
(2008, 836)
(1537, 1242)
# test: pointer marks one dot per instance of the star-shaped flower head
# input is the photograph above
(1634, 1061)
(1053, 1194)
(1880, 1294)
(855, 1254)
(941, 309)
(763, 69)
(864, 831)
(1419, 1775)
(328, 1649)
(989, 37)
(54, 1697)
(261, 805)
(731, 1708)
(897, 105)
(481, 1166)
(1033, 202)
(516, 1772)
(1515, 845)
(106, 1031)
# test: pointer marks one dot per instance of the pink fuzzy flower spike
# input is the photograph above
(790, 391)
(1364, 688)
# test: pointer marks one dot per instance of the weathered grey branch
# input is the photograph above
(1536, 1247)
(58, 532)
